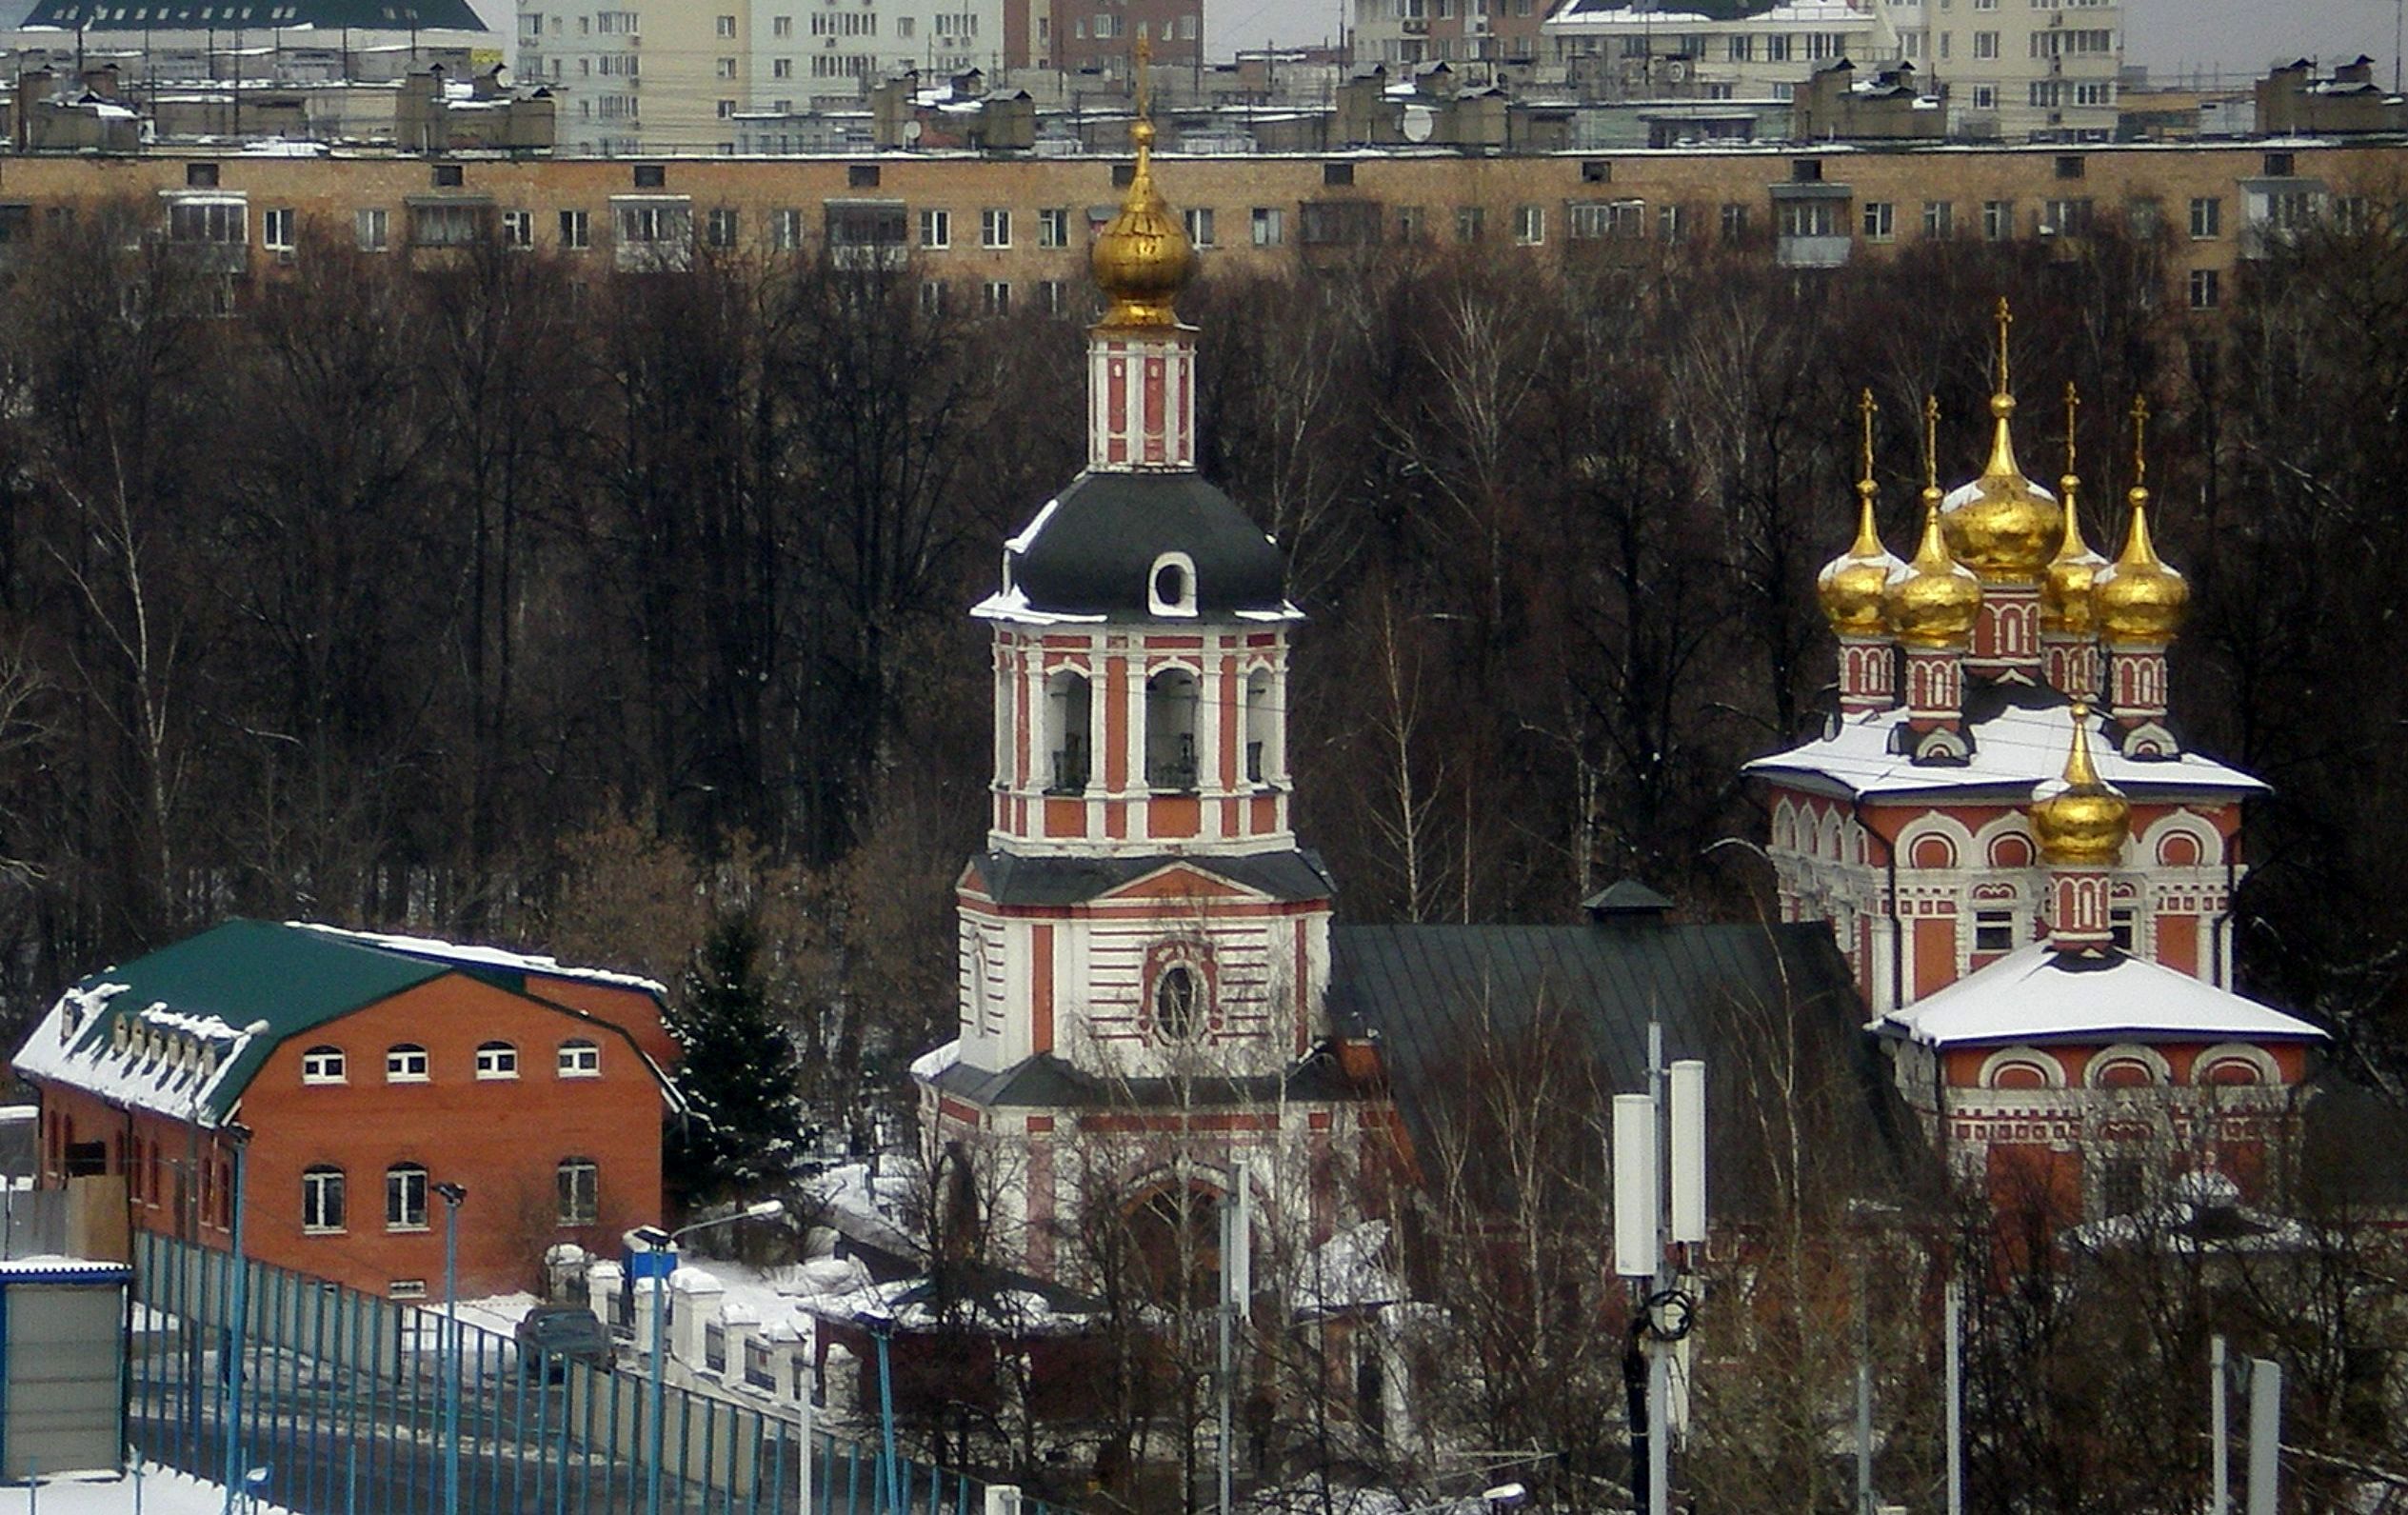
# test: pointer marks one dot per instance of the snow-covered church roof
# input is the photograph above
(2037, 993)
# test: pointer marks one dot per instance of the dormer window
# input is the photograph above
(1171, 589)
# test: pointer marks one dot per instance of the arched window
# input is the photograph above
(405, 1198)
(1170, 588)
(1179, 989)
(322, 1065)
(321, 1200)
(497, 1060)
(580, 1058)
(1170, 729)
(1262, 729)
(1067, 717)
(578, 1185)
(406, 1064)
(1178, 994)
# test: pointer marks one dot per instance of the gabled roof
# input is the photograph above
(181, 1031)
(2020, 739)
(2038, 994)
(1430, 995)
(494, 963)
(1013, 878)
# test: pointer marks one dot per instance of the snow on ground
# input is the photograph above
(498, 1313)
(162, 1493)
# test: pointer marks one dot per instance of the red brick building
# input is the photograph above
(367, 1071)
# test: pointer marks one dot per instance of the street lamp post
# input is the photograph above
(882, 1329)
(658, 1241)
(452, 1194)
(239, 1137)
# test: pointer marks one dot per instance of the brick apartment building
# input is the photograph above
(366, 1071)
(1012, 234)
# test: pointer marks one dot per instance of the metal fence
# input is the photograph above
(344, 1409)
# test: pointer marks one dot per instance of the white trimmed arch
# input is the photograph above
(2008, 1060)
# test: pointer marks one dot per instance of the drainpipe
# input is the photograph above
(1898, 948)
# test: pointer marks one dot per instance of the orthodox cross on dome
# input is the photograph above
(1867, 409)
(1931, 445)
(2006, 319)
(2073, 403)
(2140, 441)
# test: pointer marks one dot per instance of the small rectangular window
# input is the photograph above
(576, 232)
(1880, 221)
(518, 229)
(1998, 220)
(719, 228)
(204, 175)
(1939, 220)
(651, 175)
(936, 230)
(994, 227)
(580, 1059)
(448, 176)
(2207, 218)
(1053, 227)
(2206, 290)
(1199, 220)
(1597, 170)
(2277, 166)
(785, 230)
(372, 227)
(406, 1064)
(1994, 931)
(1530, 224)
(1269, 227)
(1734, 222)
(997, 294)
(1805, 170)
(2069, 166)
(1338, 176)
(861, 176)
(275, 230)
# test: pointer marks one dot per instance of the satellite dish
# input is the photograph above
(911, 130)
(1419, 123)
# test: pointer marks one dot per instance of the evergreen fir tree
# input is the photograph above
(740, 1075)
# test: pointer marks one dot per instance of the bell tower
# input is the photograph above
(1142, 928)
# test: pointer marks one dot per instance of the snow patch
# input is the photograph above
(474, 956)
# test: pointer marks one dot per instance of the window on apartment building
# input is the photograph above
(1530, 224)
(936, 228)
(1053, 227)
(406, 1064)
(861, 176)
(577, 1185)
(518, 228)
(1880, 220)
(725, 69)
(320, 1200)
(225, 222)
(200, 175)
(1998, 220)
(449, 176)
(994, 227)
(2207, 289)
(785, 230)
(405, 1198)
(1939, 220)
(1947, 42)
(2066, 218)
(1270, 226)
(995, 296)
(1199, 222)
(1743, 48)
(1734, 222)
(726, 26)
(2142, 218)
(576, 230)
(1777, 48)
(323, 1065)
(580, 1058)
(1985, 45)
(1595, 219)
(1672, 223)
(933, 298)
(782, 27)
(1051, 296)
(782, 68)
(719, 228)
(2207, 218)
(1338, 176)
(1985, 97)
(276, 230)
(2043, 94)
(371, 227)
(1814, 218)
(727, 111)
(2277, 166)
(2094, 92)
(497, 1060)
(444, 226)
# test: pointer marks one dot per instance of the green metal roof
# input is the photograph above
(241, 972)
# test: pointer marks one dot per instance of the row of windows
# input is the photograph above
(326, 1205)
(407, 1063)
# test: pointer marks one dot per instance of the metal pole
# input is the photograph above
(1226, 1310)
(451, 1352)
(2221, 1501)
(234, 1349)
(1956, 1311)
(1864, 1436)
(658, 1392)
(1659, 1362)
(891, 1471)
(2265, 1434)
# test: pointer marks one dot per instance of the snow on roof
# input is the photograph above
(936, 1060)
(1630, 13)
(154, 1059)
(52, 1268)
(2015, 749)
(2036, 993)
(1013, 604)
(472, 956)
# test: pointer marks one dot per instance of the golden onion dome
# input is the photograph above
(2080, 820)
(1141, 259)
(2003, 526)
(1934, 601)
(1851, 586)
(2138, 600)
(2065, 587)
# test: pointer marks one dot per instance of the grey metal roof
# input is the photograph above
(1765, 1005)
(1014, 879)
(260, 15)
(1046, 1080)
(1093, 548)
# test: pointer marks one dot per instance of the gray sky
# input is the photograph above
(2239, 36)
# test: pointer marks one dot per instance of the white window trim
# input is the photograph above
(501, 1049)
(342, 1069)
(1185, 606)
(579, 1052)
(426, 1064)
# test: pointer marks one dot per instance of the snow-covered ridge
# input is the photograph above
(473, 956)
(155, 1059)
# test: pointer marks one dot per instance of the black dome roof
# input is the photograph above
(1094, 548)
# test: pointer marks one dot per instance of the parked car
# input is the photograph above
(556, 1335)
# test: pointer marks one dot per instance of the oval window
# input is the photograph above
(1170, 584)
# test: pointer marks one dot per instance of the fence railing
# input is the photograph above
(344, 1406)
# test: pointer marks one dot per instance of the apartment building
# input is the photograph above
(1627, 49)
(674, 79)
(2019, 70)
(1502, 34)
(1010, 234)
